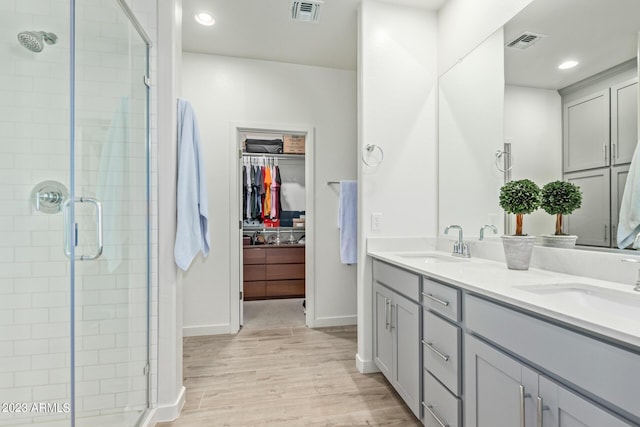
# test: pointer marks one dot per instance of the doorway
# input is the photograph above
(272, 275)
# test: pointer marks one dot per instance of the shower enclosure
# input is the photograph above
(74, 214)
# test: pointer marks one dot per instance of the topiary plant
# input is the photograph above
(560, 198)
(520, 197)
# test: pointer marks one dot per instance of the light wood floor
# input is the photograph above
(292, 376)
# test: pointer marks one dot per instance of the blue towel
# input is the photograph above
(348, 222)
(192, 233)
(629, 219)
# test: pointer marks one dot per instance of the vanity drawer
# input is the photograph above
(441, 298)
(441, 343)
(439, 406)
(401, 281)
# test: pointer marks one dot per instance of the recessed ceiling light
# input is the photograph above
(567, 64)
(205, 18)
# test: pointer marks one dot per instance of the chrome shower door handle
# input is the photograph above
(67, 225)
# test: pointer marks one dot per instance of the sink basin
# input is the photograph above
(593, 298)
(429, 257)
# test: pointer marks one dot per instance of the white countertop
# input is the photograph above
(619, 320)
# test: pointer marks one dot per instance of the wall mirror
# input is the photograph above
(602, 35)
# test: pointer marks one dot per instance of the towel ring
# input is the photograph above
(499, 154)
(369, 148)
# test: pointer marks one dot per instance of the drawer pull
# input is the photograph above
(438, 300)
(435, 350)
(434, 415)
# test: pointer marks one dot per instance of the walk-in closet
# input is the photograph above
(273, 193)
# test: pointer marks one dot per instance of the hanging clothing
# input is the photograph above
(248, 190)
(274, 210)
(257, 176)
(262, 192)
(267, 191)
(244, 191)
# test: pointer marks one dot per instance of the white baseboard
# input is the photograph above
(325, 322)
(366, 366)
(150, 418)
(170, 412)
(201, 330)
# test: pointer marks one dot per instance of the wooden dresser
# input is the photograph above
(273, 272)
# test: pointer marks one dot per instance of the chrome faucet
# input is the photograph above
(490, 227)
(460, 248)
(637, 286)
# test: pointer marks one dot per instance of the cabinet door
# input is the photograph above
(624, 121)
(383, 341)
(591, 223)
(618, 181)
(586, 132)
(562, 408)
(499, 390)
(405, 324)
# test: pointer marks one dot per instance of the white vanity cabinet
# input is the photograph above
(504, 390)
(397, 330)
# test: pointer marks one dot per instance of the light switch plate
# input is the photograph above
(376, 221)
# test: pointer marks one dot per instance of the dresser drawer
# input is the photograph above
(285, 255)
(439, 406)
(285, 288)
(441, 298)
(401, 281)
(253, 272)
(285, 271)
(254, 290)
(441, 342)
(254, 255)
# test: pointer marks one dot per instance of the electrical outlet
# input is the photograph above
(376, 221)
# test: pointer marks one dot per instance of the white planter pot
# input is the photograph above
(559, 241)
(517, 251)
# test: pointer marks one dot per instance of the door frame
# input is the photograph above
(235, 203)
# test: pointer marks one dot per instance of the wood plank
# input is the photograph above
(285, 288)
(285, 271)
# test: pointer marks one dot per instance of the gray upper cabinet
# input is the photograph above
(586, 132)
(592, 222)
(624, 128)
(618, 181)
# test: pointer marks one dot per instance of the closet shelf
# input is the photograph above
(274, 156)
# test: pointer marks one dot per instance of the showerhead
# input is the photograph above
(34, 40)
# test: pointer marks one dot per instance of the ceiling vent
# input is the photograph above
(525, 40)
(305, 11)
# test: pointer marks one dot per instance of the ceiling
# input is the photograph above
(262, 29)
(597, 33)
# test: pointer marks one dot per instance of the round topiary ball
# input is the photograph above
(520, 197)
(560, 197)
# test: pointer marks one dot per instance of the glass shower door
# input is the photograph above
(111, 193)
(35, 173)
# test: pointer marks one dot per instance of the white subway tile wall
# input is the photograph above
(110, 165)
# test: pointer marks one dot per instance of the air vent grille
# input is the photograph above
(306, 11)
(525, 40)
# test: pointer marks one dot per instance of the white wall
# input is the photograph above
(225, 90)
(464, 24)
(397, 111)
(533, 124)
